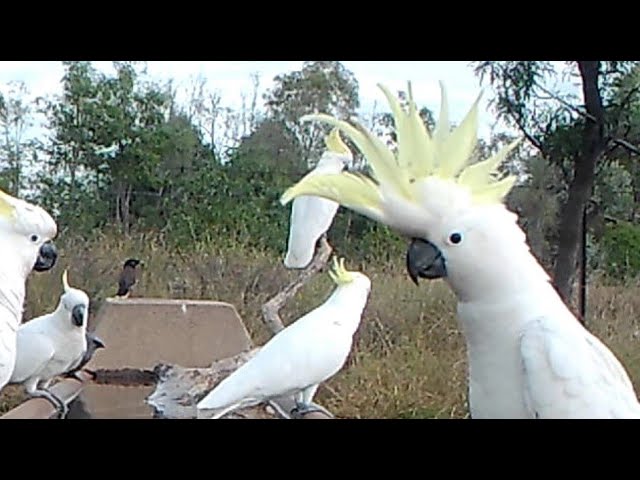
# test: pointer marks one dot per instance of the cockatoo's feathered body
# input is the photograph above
(297, 359)
(528, 356)
(312, 216)
(52, 344)
(26, 232)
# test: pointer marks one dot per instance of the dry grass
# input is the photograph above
(408, 360)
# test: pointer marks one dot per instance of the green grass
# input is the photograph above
(408, 360)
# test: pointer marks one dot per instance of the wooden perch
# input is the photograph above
(271, 309)
(179, 390)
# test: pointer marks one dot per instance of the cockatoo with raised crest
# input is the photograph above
(26, 234)
(300, 357)
(52, 344)
(528, 355)
(312, 216)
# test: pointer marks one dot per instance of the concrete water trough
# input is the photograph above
(188, 345)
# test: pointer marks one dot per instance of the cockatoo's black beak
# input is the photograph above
(425, 260)
(98, 343)
(47, 257)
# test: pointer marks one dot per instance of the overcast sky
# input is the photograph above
(232, 78)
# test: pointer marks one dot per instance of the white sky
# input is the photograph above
(231, 78)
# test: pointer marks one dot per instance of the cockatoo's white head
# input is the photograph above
(429, 190)
(74, 302)
(26, 236)
(352, 287)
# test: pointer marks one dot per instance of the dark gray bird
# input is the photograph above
(93, 344)
(127, 277)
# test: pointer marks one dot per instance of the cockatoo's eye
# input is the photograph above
(34, 238)
(455, 238)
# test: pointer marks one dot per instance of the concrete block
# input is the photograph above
(143, 332)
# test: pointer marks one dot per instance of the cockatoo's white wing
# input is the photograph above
(305, 353)
(310, 218)
(34, 352)
(569, 373)
(8, 327)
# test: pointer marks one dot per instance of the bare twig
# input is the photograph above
(573, 108)
(271, 309)
(616, 141)
(624, 144)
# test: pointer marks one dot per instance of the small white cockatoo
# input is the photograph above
(528, 355)
(26, 234)
(300, 357)
(52, 344)
(312, 216)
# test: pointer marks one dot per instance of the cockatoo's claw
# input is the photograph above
(63, 412)
(61, 407)
(300, 410)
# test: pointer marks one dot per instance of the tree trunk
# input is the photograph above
(126, 215)
(580, 188)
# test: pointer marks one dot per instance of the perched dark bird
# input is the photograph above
(93, 344)
(127, 277)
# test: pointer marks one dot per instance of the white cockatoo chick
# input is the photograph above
(300, 357)
(312, 216)
(52, 344)
(26, 234)
(528, 355)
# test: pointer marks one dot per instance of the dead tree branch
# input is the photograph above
(271, 309)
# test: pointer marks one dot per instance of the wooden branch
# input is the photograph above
(178, 391)
(626, 145)
(271, 309)
(573, 108)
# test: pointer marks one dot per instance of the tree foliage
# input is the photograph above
(319, 87)
(573, 132)
(124, 153)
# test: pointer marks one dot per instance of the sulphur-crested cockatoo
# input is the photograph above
(26, 234)
(312, 216)
(300, 357)
(52, 344)
(528, 356)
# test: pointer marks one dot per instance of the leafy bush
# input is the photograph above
(621, 250)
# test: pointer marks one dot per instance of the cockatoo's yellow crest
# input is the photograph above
(334, 143)
(338, 273)
(6, 208)
(445, 155)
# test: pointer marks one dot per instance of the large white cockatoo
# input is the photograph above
(26, 244)
(300, 357)
(312, 216)
(52, 345)
(528, 356)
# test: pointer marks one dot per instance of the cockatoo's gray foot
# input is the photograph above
(301, 410)
(59, 404)
(279, 410)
